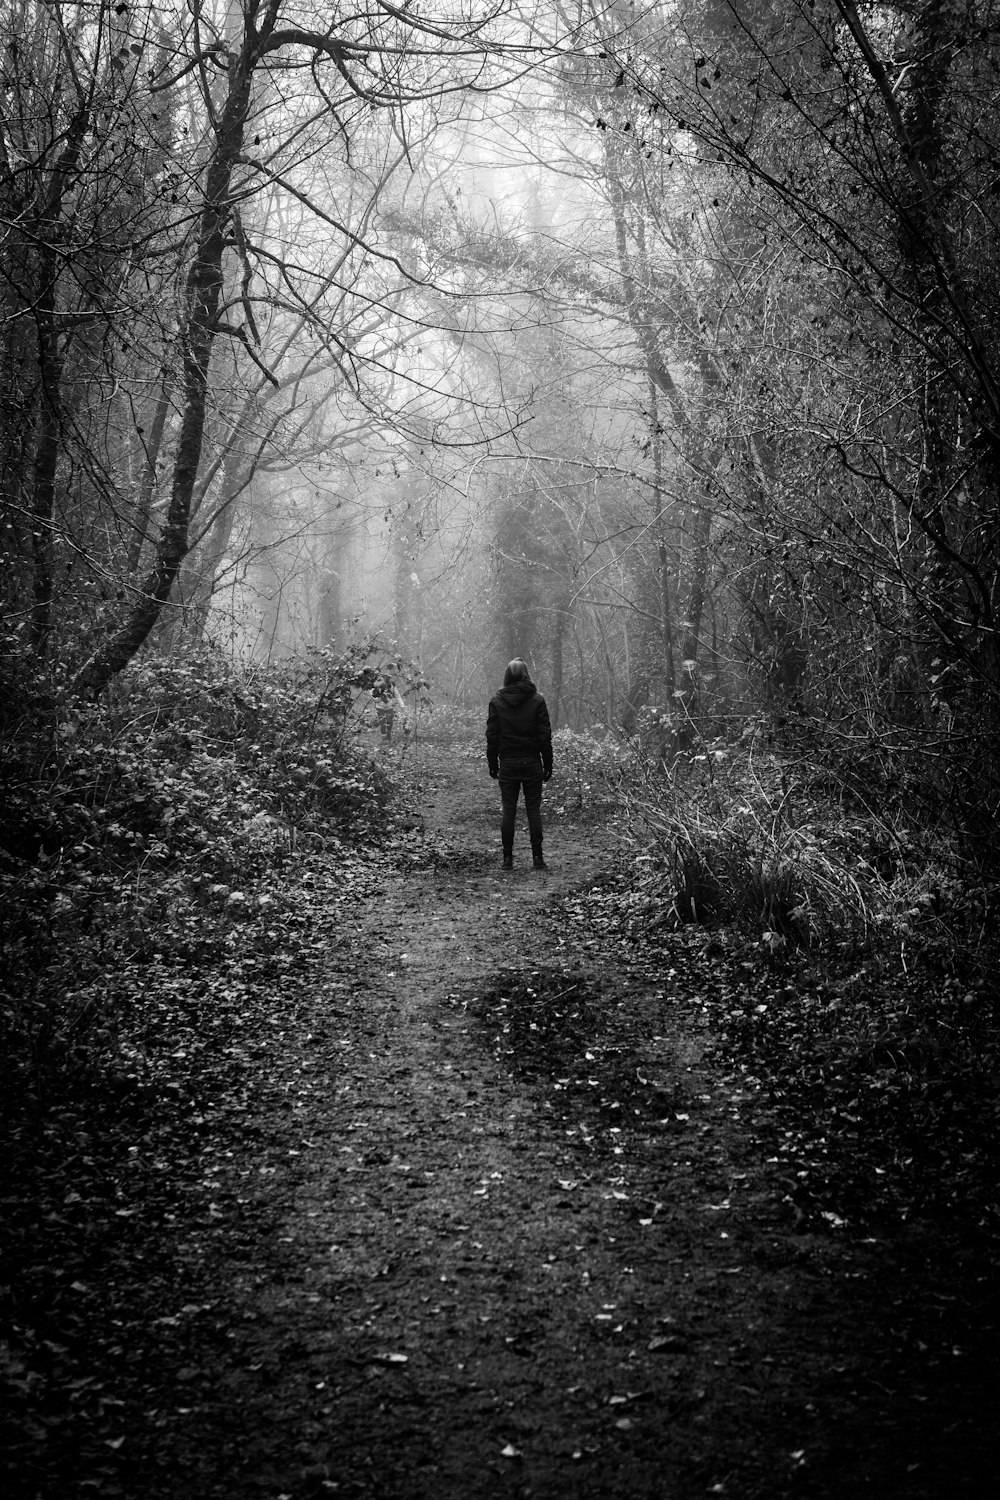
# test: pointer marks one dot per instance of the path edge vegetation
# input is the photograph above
(164, 818)
(841, 963)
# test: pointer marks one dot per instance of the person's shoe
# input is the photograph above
(508, 861)
(539, 862)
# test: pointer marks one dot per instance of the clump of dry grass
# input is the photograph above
(758, 841)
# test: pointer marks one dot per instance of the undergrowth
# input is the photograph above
(740, 836)
(849, 979)
(152, 827)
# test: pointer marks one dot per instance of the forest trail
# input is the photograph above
(498, 1277)
(487, 1225)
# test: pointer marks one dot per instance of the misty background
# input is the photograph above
(651, 342)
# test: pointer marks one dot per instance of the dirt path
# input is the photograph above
(491, 1227)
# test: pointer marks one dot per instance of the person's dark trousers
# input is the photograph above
(515, 776)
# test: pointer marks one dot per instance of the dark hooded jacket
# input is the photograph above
(517, 726)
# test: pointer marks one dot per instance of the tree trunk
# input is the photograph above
(203, 291)
(666, 625)
(556, 688)
(147, 487)
(49, 229)
(44, 479)
(330, 602)
(695, 610)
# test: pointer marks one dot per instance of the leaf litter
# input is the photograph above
(342, 1223)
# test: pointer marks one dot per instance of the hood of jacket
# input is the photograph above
(517, 693)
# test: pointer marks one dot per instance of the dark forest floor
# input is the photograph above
(443, 1186)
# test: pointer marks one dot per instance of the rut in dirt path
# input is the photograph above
(501, 1230)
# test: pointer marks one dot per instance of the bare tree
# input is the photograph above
(139, 162)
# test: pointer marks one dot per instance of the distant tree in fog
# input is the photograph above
(175, 186)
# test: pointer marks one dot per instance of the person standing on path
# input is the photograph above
(519, 752)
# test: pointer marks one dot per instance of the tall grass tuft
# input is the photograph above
(743, 836)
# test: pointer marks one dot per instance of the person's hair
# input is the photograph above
(517, 671)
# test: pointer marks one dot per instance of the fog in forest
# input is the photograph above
(651, 342)
(459, 498)
(358, 1137)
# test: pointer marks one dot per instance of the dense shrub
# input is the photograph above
(742, 834)
(140, 828)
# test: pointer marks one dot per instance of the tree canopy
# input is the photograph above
(652, 341)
